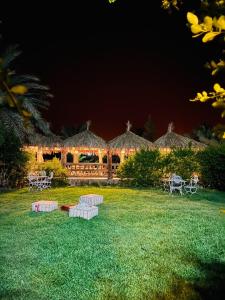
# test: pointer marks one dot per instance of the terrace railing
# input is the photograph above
(90, 169)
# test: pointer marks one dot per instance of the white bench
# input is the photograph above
(91, 199)
(84, 211)
(43, 205)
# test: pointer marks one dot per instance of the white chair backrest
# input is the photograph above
(30, 176)
(194, 179)
(177, 179)
(42, 173)
(51, 175)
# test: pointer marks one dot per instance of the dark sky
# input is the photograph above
(111, 63)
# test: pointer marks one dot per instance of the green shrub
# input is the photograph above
(183, 162)
(212, 164)
(142, 169)
(32, 164)
(55, 166)
(146, 168)
(12, 158)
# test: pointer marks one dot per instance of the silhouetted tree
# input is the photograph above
(68, 131)
(149, 129)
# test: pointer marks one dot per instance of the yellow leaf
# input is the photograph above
(26, 114)
(215, 104)
(192, 18)
(223, 135)
(199, 95)
(196, 28)
(208, 22)
(217, 87)
(215, 21)
(209, 36)
(204, 93)
(221, 63)
(221, 23)
(19, 89)
(213, 64)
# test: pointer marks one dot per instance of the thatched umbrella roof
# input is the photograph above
(40, 140)
(129, 140)
(85, 139)
(174, 140)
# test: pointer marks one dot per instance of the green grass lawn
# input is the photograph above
(145, 244)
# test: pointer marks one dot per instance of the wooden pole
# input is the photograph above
(63, 157)
(122, 155)
(39, 155)
(109, 164)
(76, 157)
(100, 156)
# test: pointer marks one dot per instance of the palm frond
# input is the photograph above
(36, 86)
(19, 79)
(42, 125)
(37, 102)
(9, 55)
(39, 94)
(12, 121)
(27, 105)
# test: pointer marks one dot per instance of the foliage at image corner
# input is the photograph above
(205, 19)
(22, 97)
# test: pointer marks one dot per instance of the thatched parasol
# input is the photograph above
(129, 140)
(174, 140)
(86, 139)
(40, 140)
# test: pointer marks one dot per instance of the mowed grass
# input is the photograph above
(145, 244)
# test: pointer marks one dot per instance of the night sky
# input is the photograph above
(110, 63)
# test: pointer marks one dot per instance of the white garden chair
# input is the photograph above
(47, 181)
(39, 182)
(192, 186)
(176, 184)
(32, 181)
(42, 173)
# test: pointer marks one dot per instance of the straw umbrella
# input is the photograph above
(128, 143)
(41, 144)
(172, 140)
(85, 141)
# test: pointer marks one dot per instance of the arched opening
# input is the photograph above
(115, 159)
(69, 158)
(88, 158)
(105, 159)
(50, 156)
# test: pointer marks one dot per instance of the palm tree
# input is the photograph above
(21, 98)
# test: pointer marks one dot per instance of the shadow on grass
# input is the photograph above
(19, 294)
(211, 285)
(209, 195)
